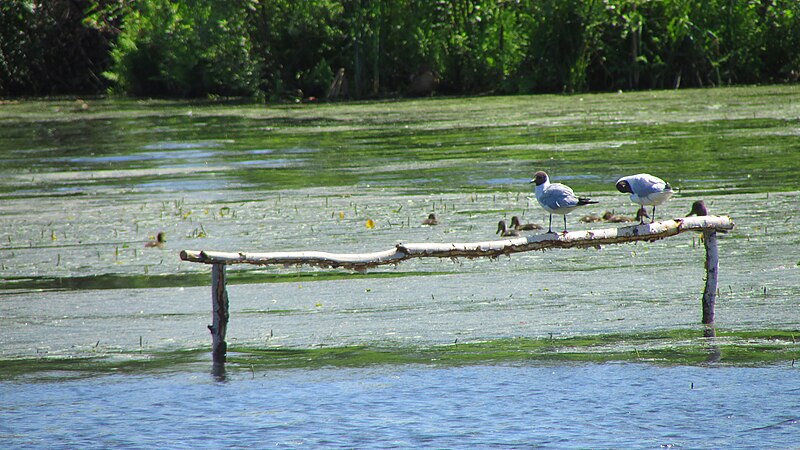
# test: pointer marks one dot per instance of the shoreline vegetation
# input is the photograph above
(287, 51)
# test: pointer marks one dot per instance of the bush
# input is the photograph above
(185, 49)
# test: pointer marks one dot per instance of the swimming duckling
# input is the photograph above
(502, 230)
(698, 209)
(641, 213)
(431, 220)
(517, 225)
(160, 242)
(592, 218)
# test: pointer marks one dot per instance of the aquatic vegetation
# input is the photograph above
(676, 347)
(248, 177)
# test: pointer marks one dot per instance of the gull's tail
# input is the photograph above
(586, 201)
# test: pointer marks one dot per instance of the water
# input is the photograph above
(104, 341)
(488, 406)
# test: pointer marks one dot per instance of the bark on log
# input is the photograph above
(401, 252)
(712, 269)
(220, 314)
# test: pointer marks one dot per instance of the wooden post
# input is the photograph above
(219, 307)
(712, 268)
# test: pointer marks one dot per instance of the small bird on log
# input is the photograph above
(160, 242)
(431, 220)
(557, 198)
(502, 230)
(698, 209)
(645, 189)
(519, 226)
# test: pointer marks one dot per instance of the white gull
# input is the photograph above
(556, 198)
(645, 189)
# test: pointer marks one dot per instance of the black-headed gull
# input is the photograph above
(517, 225)
(504, 231)
(698, 209)
(556, 198)
(645, 189)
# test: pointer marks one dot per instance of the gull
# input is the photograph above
(556, 198)
(517, 225)
(504, 231)
(645, 189)
(698, 209)
(431, 220)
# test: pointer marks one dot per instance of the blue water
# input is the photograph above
(536, 405)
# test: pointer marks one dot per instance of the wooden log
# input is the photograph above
(712, 269)
(401, 252)
(220, 314)
(709, 225)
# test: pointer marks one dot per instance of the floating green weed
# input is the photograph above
(668, 347)
(675, 347)
(121, 281)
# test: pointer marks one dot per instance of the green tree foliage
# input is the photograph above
(47, 47)
(291, 49)
(185, 49)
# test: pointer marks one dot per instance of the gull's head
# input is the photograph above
(624, 187)
(641, 213)
(539, 178)
(501, 226)
(515, 221)
(698, 209)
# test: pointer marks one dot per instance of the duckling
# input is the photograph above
(160, 242)
(698, 209)
(431, 220)
(517, 225)
(641, 213)
(592, 218)
(504, 231)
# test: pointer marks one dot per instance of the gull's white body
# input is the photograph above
(556, 198)
(647, 189)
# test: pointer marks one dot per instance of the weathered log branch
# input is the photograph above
(402, 252)
(709, 225)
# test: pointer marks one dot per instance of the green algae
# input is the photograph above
(120, 281)
(670, 347)
(684, 347)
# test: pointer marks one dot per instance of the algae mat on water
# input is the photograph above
(677, 347)
(741, 139)
(83, 190)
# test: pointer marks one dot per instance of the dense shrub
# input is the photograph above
(288, 48)
(49, 48)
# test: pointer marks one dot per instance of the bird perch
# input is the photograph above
(708, 225)
(402, 252)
